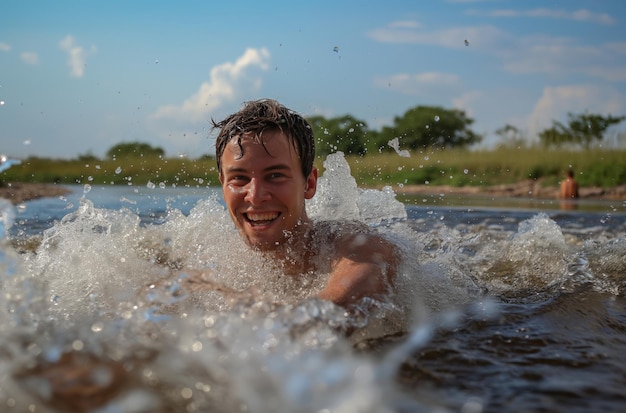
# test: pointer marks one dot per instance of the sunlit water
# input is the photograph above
(501, 308)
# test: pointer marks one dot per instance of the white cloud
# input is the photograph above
(564, 57)
(5, 47)
(30, 58)
(422, 84)
(520, 55)
(557, 102)
(468, 101)
(227, 82)
(77, 56)
(582, 15)
(405, 24)
(480, 37)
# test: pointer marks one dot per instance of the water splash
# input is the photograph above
(114, 310)
(395, 144)
(7, 216)
(6, 162)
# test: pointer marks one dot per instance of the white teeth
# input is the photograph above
(267, 216)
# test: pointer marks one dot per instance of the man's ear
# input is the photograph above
(221, 178)
(311, 184)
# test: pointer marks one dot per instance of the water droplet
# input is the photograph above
(1, 102)
(436, 118)
(86, 188)
(118, 170)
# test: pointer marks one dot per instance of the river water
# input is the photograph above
(504, 306)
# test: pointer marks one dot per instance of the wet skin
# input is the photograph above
(265, 192)
(264, 189)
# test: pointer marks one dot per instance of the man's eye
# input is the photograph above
(276, 175)
(238, 180)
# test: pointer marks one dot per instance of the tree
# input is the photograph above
(134, 150)
(345, 133)
(556, 136)
(582, 130)
(510, 137)
(87, 157)
(432, 126)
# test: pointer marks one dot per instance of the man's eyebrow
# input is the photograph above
(235, 169)
(279, 166)
(275, 167)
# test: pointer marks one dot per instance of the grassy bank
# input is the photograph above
(129, 171)
(601, 168)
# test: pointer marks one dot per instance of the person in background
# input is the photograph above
(265, 154)
(569, 186)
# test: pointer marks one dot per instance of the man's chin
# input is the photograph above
(263, 245)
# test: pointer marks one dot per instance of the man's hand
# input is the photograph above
(365, 265)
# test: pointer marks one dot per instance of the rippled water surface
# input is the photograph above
(506, 306)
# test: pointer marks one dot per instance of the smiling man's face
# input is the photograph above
(264, 189)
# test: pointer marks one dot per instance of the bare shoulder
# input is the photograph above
(354, 239)
(364, 263)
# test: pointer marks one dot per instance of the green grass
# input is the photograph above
(135, 171)
(454, 167)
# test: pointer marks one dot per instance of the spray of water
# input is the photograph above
(112, 315)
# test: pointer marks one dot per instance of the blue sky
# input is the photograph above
(78, 77)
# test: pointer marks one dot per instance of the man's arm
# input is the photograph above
(365, 265)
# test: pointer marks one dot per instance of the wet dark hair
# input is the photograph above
(259, 116)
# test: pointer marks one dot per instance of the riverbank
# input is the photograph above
(21, 192)
(525, 189)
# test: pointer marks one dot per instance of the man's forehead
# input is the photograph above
(273, 143)
(270, 141)
(261, 137)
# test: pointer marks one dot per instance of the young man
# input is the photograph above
(265, 155)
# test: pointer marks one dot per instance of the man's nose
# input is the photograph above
(256, 192)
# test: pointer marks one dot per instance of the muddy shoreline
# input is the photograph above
(22, 192)
(523, 189)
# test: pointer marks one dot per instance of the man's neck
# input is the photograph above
(294, 256)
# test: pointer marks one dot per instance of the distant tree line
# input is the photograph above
(581, 131)
(418, 128)
(134, 150)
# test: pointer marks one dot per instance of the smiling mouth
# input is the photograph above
(261, 218)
